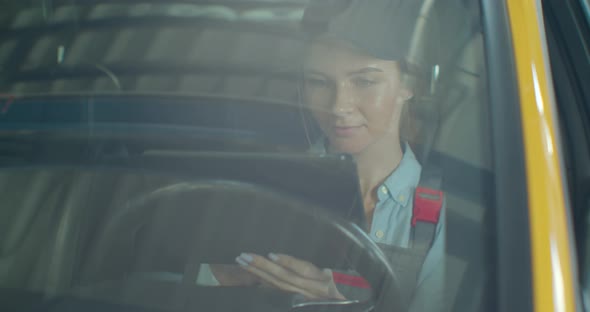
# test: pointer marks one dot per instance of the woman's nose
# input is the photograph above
(343, 103)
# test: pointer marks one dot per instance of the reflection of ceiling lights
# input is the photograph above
(224, 12)
(259, 11)
(291, 15)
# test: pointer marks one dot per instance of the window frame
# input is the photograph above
(511, 284)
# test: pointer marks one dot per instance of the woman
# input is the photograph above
(355, 87)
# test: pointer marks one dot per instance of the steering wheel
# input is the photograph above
(213, 221)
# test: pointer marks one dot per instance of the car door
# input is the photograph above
(536, 266)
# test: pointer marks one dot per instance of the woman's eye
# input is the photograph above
(363, 82)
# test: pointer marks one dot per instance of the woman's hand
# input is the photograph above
(290, 274)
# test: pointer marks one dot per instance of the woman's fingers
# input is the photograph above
(310, 281)
(274, 281)
(301, 267)
(281, 273)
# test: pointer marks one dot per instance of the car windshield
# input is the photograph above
(243, 155)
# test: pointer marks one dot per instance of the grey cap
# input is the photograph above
(382, 28)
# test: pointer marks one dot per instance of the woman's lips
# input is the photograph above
(346, 131)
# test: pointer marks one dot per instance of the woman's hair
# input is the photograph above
(382, 28)
(416, 79)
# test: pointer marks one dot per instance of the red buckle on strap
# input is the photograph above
(427, 205)
(350, 280)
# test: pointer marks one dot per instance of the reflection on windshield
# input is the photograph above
(283, 154)
(179, 48)
(586, 6)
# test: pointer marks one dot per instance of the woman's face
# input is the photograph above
(356, 99)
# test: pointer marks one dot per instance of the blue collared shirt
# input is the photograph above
(391, 225)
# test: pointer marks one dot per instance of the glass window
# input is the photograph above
(306, 153)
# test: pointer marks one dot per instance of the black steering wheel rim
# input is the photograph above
(131, 213)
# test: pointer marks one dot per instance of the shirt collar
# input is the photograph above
(400, 185)
(403, 180)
